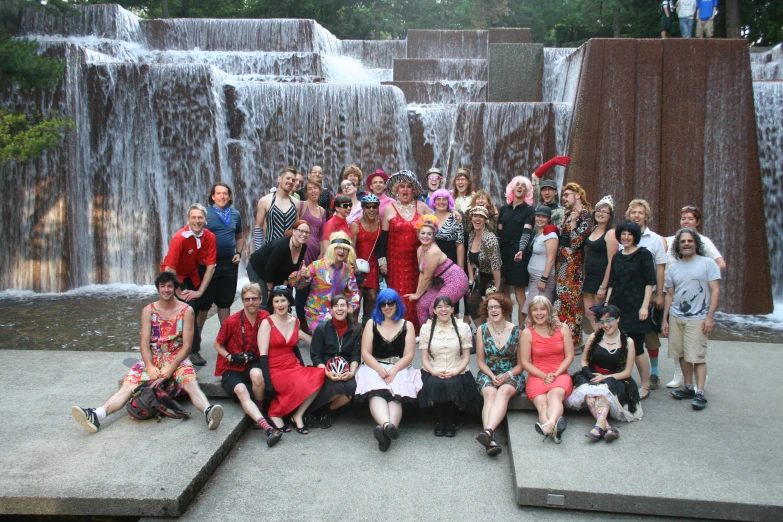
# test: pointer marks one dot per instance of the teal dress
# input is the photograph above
(500, 361)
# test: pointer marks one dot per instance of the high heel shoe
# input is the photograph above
(301, 431)
(560, 427)
(540, 428)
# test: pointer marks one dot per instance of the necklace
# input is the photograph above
(497, 334)
(407, 211)
(611, 345)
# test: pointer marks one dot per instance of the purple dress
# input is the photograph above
(455, 286)
(314, 239)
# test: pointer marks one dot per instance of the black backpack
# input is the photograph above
(153, 399)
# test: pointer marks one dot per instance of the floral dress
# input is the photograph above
(500, 360)
(569, 273)
(165, 344)
(325, 282)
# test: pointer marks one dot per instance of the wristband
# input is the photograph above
(238, 254)
(544, 279)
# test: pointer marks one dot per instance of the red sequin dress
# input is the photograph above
(366, 248)
(402, 261)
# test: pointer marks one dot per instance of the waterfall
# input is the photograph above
(561, 74)
(767, 65)
(101, 21)
(374, 54)
(768, 97)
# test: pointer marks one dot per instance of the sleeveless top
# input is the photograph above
(166, 334)
(367, 242)
(314, 239)
(595, 259)
(383, 349)
(277, 221)
(601, 358)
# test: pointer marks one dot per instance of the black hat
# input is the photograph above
(543, 210)
(549, 183)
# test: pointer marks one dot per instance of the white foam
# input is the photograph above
(115, 289)
(773, 321)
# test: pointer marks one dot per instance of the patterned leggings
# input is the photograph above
(599, 407)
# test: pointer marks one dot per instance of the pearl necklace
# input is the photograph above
(611, 347)
(407, 211)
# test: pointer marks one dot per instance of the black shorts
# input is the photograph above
(231, 378)
(222, 288)
(638, 342)
(666, 23)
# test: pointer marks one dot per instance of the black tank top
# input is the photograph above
(595, 260)
(383, 349)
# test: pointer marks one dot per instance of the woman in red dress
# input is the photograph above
(399, 238)
(547, 350)
(295, 385)
(365, 233)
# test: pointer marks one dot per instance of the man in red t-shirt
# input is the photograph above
(238, 359)
(190, 247)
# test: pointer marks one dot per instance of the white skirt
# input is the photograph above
(617, 411)
(404, 387)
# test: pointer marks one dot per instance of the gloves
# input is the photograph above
(263, 361)
(249, 355)
(557, 160)
(299, 355)
(587, 373)
(237, 358)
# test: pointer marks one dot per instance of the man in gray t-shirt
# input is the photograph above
(692, 295)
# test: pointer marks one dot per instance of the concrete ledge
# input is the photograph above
(442, 92)
(51, 466)
(515, 72)
(510, 35)
(719, 463)
(436, 43)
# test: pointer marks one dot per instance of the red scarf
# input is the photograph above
(340, 326)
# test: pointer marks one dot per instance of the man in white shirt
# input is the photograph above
(686, 11)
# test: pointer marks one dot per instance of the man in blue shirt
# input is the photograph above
(705, 14)
(224, 221)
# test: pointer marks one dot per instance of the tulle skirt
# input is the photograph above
(461, 390)
(404, 388)
(617, 410)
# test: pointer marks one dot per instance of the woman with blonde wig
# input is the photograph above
(327, 277)
(438, 275)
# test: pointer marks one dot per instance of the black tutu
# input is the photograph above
(461, 390)
(626, 391)
(332, 389)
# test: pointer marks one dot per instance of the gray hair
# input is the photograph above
(696, 237)
(197, 206)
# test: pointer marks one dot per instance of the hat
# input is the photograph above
(403, 176)
(549, 183)
(543, 210)
(479, 210)
(606, 200)
(370, 198)
(435, 170)
(378, 172)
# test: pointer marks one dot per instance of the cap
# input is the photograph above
(549, 183)
(543, 210)
(435, 170)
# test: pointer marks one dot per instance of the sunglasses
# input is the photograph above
(345, 205)
(279, 287)
(251, 299)
(689, 207)
(347, 184)
(371, 207)
(607, 321)
(388, 303)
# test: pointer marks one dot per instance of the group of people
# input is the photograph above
(403, 259)
(702, 12)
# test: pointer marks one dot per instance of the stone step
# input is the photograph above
(436, 43)
(442, 92)
(408, 69)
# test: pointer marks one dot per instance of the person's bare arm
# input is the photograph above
(367, 355)
(611, 249)
(425, 277)
(709, 322)
(146, 352)
(261, 209)
(240, 247)
(188, 329)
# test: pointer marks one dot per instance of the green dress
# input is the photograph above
(500, 360)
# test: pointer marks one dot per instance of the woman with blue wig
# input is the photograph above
(386, 378)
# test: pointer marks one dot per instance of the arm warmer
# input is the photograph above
(258, 237)
(382, 244)
(263, 361)
(557, 160)
(525, 239)
(299, 355)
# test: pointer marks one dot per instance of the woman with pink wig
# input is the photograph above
(515, 228)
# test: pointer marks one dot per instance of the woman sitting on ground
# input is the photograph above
(386, 378)
(295, 385)
(500, 374)
(605, 384)
(447, 382)
(336, 347)
(547, 352)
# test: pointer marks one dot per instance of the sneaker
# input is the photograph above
(654, 382)
(273, 437)
(451, 431)
(197, 359)
(676, 382)
(440, 430)
(214, 415)
(87, 418)
(699, 402)
(684, 393)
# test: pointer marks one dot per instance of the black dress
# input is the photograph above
(514, 220)
(595, 264)
(326, 344)
(627, 279)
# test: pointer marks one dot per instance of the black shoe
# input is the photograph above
(326, 419)
(87, 418)
(214, 415)
(699, 402)
(450, 430)
(197, 359)
(311, 419)
(684, 393)
(654, 382)
(383, 441)
(273, 437)
(560, 427)
(390, 430)
(439, 430)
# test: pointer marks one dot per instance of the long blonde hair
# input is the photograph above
(331, 257)
(552, 320)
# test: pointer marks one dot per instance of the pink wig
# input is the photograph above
(442, 193)
(511, 186)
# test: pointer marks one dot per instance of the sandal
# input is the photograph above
(485, 438)
(611, 434)
(595, 434)
(540, 428)
(285, 429)
(301, 431)
(493, 449)
(642, 397)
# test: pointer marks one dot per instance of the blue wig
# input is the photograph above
(388, 294)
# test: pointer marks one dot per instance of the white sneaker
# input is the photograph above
(676, 382)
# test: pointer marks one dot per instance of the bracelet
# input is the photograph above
(510, 374)
(238, 254)
(544, 279)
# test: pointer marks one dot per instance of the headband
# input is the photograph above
(340, 241)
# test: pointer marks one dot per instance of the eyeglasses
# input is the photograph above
(602, 212)
(388, 303)
(494, 307)
(345, 205)
(686, 241)
(607, 321)
(303, 232)
(251, 299)
(371, 207)
(346, 184)
(566, 194)
(689, 207)
(434, 176)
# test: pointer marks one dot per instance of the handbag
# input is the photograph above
(363, 265)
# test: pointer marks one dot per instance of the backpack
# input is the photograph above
(153, 399)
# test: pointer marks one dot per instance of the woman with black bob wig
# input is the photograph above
(295, 385)
(447, 382)
(605, 384)
(386, 378)
(336, 347)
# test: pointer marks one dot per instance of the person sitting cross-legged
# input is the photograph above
(167, 327)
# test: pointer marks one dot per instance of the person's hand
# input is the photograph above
(390, 375)
(707, 325)
(167, 371)
(644, 312)
(541, 285)
(333, 376)
(446, 374)
(562, 160)
(601, 295)
(347, 376)
(382, 373)
(498, 380)
(411, 297)
(665, 328)
(550, 378)
(457, 217)
(236, 259)
(598, 377)
(188, 295)
(518, 257)
(153, 372)
(659, 301)
(302, 273)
